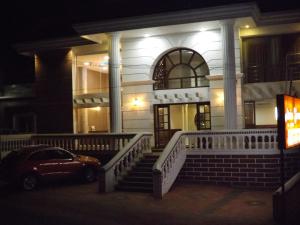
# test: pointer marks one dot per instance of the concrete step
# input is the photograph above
(140, 173)
(144, 164)
(142, 169)
(135, 183)
(138, 179)
(134, 189)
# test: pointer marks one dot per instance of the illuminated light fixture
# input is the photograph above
(147, 35)
(86, 63)
(98, 108)
(106, 57)
(247, 26)
(276, 113)
(137, 102)
(105, 68)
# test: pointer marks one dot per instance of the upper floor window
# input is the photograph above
(271, 58)
(180, 68)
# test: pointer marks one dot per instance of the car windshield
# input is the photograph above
(13, 157)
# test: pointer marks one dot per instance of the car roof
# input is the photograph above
(35, 148)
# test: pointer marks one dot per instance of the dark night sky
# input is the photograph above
(23, 21)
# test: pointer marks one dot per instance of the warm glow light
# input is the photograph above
(247, 26)
(106, 57)
(137, 102)
(86, 63)
(96, 108)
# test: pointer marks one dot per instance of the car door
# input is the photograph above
(44, 164)
(67, 163)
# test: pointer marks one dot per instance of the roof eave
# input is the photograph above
(171, 18)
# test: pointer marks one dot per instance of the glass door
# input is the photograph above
(249, 110)
(161, 125)
(202, 117)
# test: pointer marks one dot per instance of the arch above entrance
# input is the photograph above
(180, 68)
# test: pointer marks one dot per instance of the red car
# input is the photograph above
(33, 164)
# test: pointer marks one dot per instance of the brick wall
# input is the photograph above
(253, 171)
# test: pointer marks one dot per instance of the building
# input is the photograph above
(234, 64)
(215, 68)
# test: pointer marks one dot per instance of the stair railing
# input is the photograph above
(123, 161)
(168, 165)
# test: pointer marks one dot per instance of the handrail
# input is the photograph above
(168, 165)
(170, 162)
(123, 161)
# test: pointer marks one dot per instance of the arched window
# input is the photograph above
(180, 68)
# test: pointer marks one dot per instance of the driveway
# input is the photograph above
(186, 204)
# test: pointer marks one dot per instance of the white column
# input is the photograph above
(84, 116)
(115, 83)
(230, 103)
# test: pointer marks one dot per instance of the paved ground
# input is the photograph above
(184, 205)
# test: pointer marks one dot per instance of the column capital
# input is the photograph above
(227, 22)
(115, 35)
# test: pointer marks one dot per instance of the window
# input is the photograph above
(59, 154)
(180, 68)
(37, 156)
(271, 58)
(202, 118)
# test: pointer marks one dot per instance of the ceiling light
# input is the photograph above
(247, 26)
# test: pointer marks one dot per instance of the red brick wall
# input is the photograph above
(253, 171)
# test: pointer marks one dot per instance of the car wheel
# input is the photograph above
(29, 182)
(89, 174)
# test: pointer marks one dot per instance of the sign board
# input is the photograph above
(288, 122)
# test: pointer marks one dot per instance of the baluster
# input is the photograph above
(256, 141)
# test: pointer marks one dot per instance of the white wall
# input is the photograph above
(264, 112)
(139, 56)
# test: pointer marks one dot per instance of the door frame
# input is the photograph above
(170, 132)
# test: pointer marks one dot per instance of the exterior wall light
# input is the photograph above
(136, 102)
(96, 108)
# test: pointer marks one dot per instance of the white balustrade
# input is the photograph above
(70, 142)
(172, 159)
(123, 161)
(236, 140)
(10, 142)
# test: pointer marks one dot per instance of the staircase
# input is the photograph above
(139, 179)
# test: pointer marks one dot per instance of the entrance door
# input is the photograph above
(202, 118)
(249, 110)
(162, 125)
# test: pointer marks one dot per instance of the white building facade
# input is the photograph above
(177, 71)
